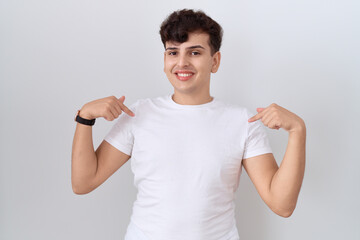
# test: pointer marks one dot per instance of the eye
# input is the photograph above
(195, 53)
(172, 53)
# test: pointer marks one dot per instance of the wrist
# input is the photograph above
(299, 127)
(85, 115)
(84, 119)
(298, 131)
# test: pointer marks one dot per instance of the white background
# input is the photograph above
(55, 56)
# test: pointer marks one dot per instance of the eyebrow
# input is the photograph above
(192, 47)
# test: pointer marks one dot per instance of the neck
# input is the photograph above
(191, 99)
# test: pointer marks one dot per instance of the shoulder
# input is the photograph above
(139, 103)
(235, 108)
(144, 106)
(153, 103)
(148, 100)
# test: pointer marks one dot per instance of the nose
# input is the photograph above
(183, 61)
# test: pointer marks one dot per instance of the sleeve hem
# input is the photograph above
(257, 152)
(121, 147)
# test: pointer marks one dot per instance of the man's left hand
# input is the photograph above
(276, 117)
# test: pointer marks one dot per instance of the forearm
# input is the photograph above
(84, 162)
(287, 181)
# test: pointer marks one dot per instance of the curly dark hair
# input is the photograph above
(181, 22)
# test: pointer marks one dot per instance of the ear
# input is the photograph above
(216, 62)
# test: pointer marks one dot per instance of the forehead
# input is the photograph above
(194, 38)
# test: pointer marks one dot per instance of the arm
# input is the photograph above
(280, 187)
(89, 169)
(84, 161)
(286, 183)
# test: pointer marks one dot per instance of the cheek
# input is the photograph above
(168, 65)
(205, 64)
(168, 71)
(206, 68)
(166, 68)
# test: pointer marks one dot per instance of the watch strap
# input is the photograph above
(84, 121)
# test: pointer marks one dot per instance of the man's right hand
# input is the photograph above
(109, 108)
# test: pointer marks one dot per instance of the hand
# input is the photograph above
(108, 108)
(276, 117)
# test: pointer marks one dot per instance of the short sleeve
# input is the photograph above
(257, 142)
(121, 134)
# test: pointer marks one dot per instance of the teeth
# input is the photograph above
(184, 74)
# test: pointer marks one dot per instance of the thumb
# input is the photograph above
(259, 110)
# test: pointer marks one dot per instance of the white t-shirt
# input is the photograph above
(186, 161)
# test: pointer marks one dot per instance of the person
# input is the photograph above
(188, 148)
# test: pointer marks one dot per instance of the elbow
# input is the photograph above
(284, 207)
(77, 192)
(284, 212)
(80, 190)
(81, 186)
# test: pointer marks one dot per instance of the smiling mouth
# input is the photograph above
(184, 76)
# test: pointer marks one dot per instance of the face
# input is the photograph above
(188, 65)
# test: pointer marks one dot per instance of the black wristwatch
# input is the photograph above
(83, 120)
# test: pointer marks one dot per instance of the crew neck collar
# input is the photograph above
(184, 106)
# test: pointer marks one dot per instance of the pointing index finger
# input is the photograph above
(126, 109)
(256, 117)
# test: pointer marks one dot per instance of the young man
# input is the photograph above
(187, 149)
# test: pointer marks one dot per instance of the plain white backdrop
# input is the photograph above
(55, 56)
